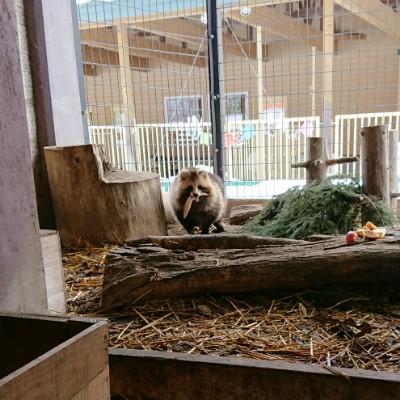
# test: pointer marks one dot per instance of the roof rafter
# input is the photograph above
(188, 31)
(375, 13)
(279, 24)
(105, 38)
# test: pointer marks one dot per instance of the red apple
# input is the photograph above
(351, 236)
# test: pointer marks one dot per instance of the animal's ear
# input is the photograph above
(184, 174)
(203, 174)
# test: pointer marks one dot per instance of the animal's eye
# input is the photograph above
(189, 188)
(201, 188)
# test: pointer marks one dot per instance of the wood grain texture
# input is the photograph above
(53, 270)
(375, 162)
(142, 273)
(164, 376)
(94, 203)
(65, 370)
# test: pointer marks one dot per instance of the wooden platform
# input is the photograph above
(139, 374)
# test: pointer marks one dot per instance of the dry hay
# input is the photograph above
(350, 330)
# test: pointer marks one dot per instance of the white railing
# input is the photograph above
(254, 150)
(252, 147)
(346, 140)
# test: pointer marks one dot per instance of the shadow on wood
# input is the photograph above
(95, 203)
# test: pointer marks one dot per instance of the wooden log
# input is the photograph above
(393, 149)
(241, 214)
(317, 164)
(375, 167)
(94, 202)
(317, 169)
(216, 241)
(165, 273)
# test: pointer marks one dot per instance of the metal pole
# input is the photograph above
(215, 87)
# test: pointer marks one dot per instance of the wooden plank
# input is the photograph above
(98, 388)
(43, 107)
(53, 269)
(62, 372)
(133, 275)
(21, 274)
(165, 376)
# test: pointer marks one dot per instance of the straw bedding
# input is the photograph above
(332, 327)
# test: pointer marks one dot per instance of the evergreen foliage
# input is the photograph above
(334, 206)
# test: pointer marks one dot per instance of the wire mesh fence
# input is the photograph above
(287, 71)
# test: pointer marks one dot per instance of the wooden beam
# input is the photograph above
(22, 276)
(274, 21)
(96, 55)
(375, 13)
(231, 378)
(127, 82)
(327, 74)
(181, 29)
(153, 48)
(186, 30)
(90, 70)
(99, 56)
(45, 129)
(140, 46)
(189, 12)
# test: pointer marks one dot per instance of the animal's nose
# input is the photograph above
(195, 194)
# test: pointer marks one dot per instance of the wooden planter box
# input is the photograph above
(53, 358)
(136, 374)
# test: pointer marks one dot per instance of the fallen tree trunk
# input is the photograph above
(131, 275)
(215, 241)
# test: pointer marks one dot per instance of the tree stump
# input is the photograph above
(375, 162)
(95, 203)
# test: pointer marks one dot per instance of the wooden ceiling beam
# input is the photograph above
(274, 21)
(186, 30)
(151, 48)
(141, 47)
(180, 29)
(189, 12)
(375, 13)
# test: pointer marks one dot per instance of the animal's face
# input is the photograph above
(195, 184)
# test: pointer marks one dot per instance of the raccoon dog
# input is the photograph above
(198, 199)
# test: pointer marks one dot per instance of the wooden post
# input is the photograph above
(260, 150)
(22, 276)
(94, 203)
(327, 77)
(128, 97)
(375, 162)
(393, 149)
(317, 164)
